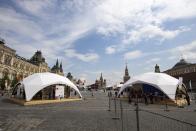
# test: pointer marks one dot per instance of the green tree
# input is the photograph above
(14, 82)
(0, 83)
(69, 76)
(5, 78)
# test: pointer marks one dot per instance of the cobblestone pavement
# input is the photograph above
(92, 114)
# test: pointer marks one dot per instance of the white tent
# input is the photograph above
(36, 82)
(118, 86)
(163, 82)
(109, 86)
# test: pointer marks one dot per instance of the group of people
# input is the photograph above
(147, 97)
(110, 94)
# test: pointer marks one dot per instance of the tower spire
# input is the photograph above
(126, 76)
(126, 70)
(101, 77)
(57, 64)
(61, 67)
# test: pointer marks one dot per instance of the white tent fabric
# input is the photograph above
(36, 82)
(165, 83)
(117, 86)
(109, 86)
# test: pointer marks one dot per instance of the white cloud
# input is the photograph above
(53, 28)
(117, 16)
(113, 77)
(148, 69)
(110, 50)
(153, 60)
(188, 51)
(20, 30)
(172, 57)
(136, 21)
(133, 55)
(175, 9)
(73, 20)
(185, 50)
(88, 57)
(20, 24)
(151, 31)
(38, 8)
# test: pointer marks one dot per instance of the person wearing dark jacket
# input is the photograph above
(151, 98)
(188, 99)
(145, 99)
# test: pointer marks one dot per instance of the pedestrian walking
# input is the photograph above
(145, 99)
(116, 93)
(130, 100)
(188, 99)
(151, 98)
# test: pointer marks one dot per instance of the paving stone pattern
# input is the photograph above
(92, 114)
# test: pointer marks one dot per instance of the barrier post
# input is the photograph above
(137, 114)
(115, 111)
(109, 97)
(166, 106)
(121, 115)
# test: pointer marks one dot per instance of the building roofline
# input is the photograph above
(7, 47)
(172, 69)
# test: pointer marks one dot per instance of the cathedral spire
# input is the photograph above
(101, 77)
(57, 64)
(126, 76)
(61, 67)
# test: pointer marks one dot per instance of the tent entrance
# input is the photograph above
(149, 89)
(53, 92)
(146, 91)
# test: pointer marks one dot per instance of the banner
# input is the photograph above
(180, 82)
(59, 91)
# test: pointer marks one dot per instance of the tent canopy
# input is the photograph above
(109, 86)
(36, 82)
(118, 86)
(163, 82)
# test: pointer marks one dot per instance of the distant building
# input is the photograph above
(99, 84)
(14, 68)
(69, 76)
(57, 69)
(185, 70)
(126, 76)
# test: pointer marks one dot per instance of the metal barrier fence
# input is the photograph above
(134, 118)
(158, 121)
(97, 114)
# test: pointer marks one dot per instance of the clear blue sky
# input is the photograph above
(94, 36)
